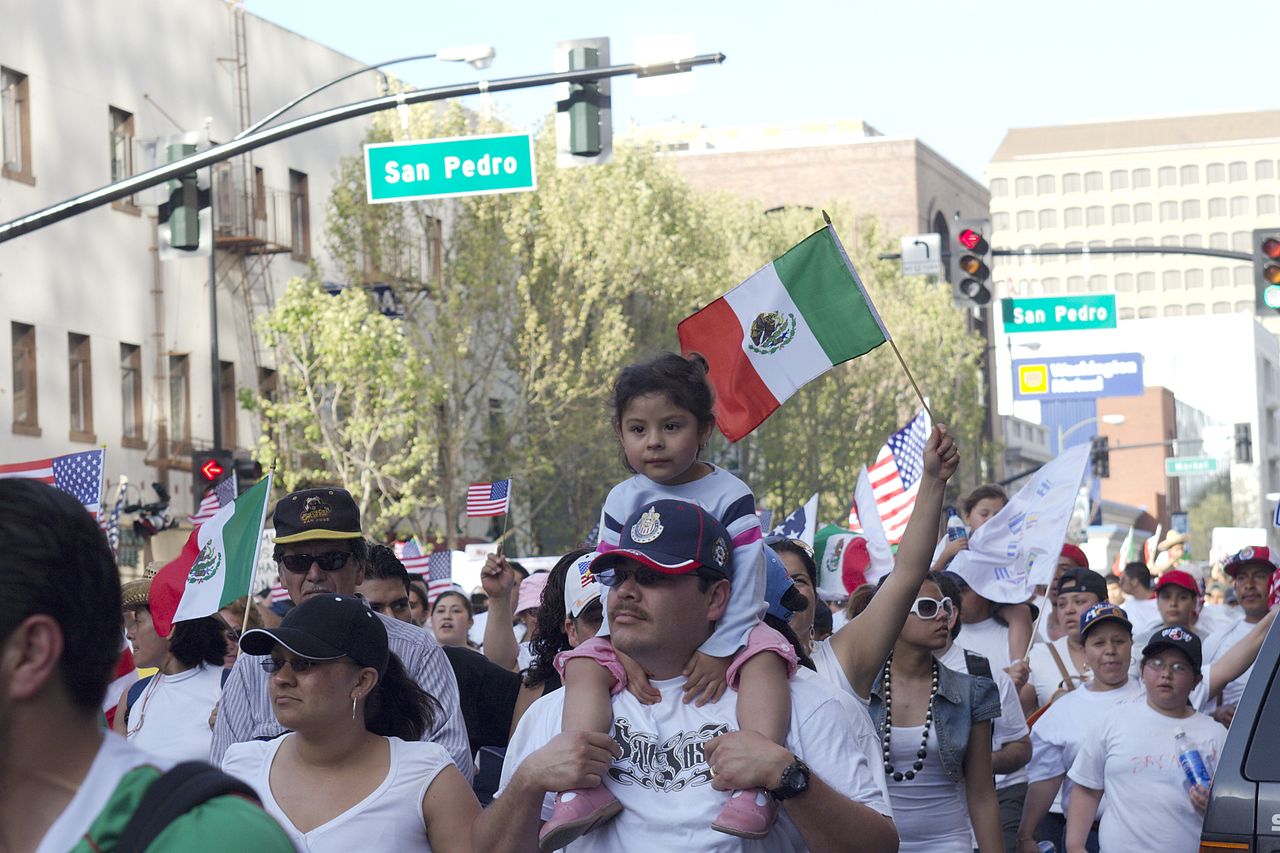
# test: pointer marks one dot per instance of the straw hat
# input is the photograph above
(136, 594)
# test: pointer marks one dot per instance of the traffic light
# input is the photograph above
(584, 120)
(248, 471)
(969, 263)
(1100, 456)
(1266, 269)
(183, 209)
(1244, 443)
(208, 468)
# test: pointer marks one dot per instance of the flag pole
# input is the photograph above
(893, 344)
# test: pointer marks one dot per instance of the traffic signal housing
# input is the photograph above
(1100, 457)
(1244, 443)
(183, 209)
(969, 263)
(1266, 269)
(584, 118)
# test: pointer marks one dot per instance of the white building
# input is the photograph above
(109, 346)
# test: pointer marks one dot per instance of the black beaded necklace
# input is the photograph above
(887, 735)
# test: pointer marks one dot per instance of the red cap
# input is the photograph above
(1177, 577)
(1260, 555)
(1075, 555)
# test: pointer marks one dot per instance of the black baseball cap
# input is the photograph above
(324, 513)
(1082, 580)
(1175, 637)
(326, 627)
(672, 537)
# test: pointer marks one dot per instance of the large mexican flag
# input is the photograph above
(216, 565)
(787, 324)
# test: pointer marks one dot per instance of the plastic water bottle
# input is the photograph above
(955, 527)
(1190, 758)
(1046, 847)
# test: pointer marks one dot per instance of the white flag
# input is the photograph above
(878, 549)
(1019, 547)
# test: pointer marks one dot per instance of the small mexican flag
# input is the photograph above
(216, 565)
(787, 324)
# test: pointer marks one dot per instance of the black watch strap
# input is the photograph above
(795, 781)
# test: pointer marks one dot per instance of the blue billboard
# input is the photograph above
(1078, 377)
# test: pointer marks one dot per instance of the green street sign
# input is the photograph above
(1188, 466)
(1059, 313)
(444, 168)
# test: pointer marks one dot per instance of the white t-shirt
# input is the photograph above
(988, 638)
(1132, 760)
(1145, 616)
(1218, 644)
(930, 811)
(115, 758)
(830, 670)
(1214, 617)
(1060, 731)
(1011, 725)
(1045, 677)
(663, 780)
(171, 717)
(390, 818)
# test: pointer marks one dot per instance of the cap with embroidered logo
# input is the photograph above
(1175, 637)
(324, 513)
(1101, 612)
(672, 537)
(1259, 555)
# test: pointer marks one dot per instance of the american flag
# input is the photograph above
(895, 477)
(215, 499)
(439, 574)
(415, 562)
(110, 522)
(488, 498)
(278, 592)
(77, 474)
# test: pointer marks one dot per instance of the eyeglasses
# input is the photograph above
(1176, 667)
(329, 561)
(928, 608)
(644, 576)
(299, 665)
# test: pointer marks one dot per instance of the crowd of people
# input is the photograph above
(681, 685)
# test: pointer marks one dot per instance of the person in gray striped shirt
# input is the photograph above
(320, 549)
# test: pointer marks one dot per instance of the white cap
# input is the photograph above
(580, 586)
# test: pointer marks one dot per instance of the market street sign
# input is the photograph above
(444, 168)
(1188, 466)
(1059, 313)
(1078, 377)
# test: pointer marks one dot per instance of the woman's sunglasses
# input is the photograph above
(929, 608)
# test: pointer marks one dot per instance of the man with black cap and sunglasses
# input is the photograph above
(320, 550)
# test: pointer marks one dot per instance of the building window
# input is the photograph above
(1048, 218)
(1026, 220)
(999, 187)
(179, 404)
(1173, 310)
(1146, 312)
(1190, 175)
(1119, 214)
(1238, 171)
(1075, 284)
(1124, 282)
(1171, 280)
(1097, 284)
(1215, 173)
(121, 144)
(1119, 180)
(80, 387)
(1217, 208)
(1121, 244)
(1141, 178)
(26, 413)
(1219, 277)
(1144, 241)
(1264, 170)
(1000, 221)
(300, 215)
(1023, 186)
(1073, 259)
(1222, 308)
(1242, 276)
(15, 126)
(1191, 208)
(1094, 216)
(1046, 185)
(1049, 285)
(1170, 240)
(227, 398)
(1072, 217)
(1168, 211)
(1167, 176)
(1193, 279)
(1093, 182)
(1049, 260)
(1071, 182)
(1241, 241)
(1142, 212)
(1193, 240)
(131, 393)
(1218, 240)
(1239, 206)
(1195, 309)
(1146, 281)
(1266, 204)
(1244, 306)
(1125, 314)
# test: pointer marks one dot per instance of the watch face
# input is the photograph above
(795, 779)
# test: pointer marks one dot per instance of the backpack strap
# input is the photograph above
(977, 664)
(1068, 683)
(172, 795)
(135, 693)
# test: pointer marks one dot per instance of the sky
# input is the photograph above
(956, 75)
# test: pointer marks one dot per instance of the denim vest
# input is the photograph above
(962, 701)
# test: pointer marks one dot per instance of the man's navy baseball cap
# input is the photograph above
(1103, 611)
(672, 537)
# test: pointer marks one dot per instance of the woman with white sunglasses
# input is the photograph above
(935, 729)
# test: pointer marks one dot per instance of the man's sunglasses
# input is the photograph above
(928, 608)
(329, 561)
(644, 576)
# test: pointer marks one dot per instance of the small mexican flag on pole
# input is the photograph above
(786, 325)
(216, 565)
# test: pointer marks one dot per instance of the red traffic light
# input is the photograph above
(1271, 248)
(969, 238)
(211, 470)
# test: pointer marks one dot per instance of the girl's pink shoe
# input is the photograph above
(748, 814)
(576, 813)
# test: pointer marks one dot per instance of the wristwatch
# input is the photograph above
(795, 781)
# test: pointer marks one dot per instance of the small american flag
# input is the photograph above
(439, 574)
(111, 521)
(215, 499)
(488, 498)
(895, 477)
(77, 474)
(415, 562)
(278, 592)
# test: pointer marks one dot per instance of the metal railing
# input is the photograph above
(251, 219)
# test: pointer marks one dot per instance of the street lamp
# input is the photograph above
(1113, 420)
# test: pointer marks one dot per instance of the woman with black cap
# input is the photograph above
(352, 772)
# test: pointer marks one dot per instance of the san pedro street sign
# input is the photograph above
(444, 168)
(1059, 313)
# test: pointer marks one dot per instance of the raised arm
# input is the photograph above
(1239, 657)
(863, 645)
(499, 579)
